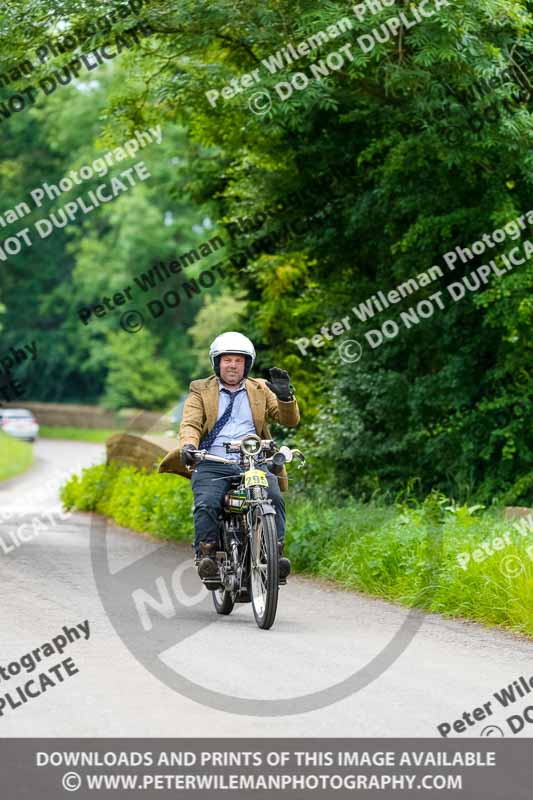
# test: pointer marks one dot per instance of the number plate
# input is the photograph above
(254, 477)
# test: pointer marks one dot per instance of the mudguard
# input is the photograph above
(267, 508)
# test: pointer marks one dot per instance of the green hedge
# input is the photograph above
(144, 501)
(406, 553)
(97, 435)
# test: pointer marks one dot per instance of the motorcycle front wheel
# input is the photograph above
(264, 571)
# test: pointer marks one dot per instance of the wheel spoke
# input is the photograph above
(259, 569)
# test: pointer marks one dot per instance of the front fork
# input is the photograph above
(258, 498)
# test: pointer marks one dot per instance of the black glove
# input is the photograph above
(187, 455)
(280, 384)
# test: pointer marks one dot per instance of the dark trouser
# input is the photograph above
(209, 493)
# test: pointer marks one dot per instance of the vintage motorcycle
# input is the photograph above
(247, 553)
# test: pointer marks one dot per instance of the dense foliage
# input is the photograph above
(365, 180)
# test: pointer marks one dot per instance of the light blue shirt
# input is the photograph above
(239, 425)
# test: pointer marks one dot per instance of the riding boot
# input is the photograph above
(284, 564)
(207, 566)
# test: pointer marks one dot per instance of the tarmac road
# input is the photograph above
(322, 635)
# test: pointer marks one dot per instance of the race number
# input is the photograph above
(254, 477)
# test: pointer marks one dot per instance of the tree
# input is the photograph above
(361, 178)
(138, 376)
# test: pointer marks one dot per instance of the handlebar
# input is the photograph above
(285, 452)
(203, 455)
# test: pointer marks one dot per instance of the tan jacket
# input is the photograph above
(201, 411)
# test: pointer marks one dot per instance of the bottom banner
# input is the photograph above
(261, 768)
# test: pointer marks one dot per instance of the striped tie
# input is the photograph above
(206, 443)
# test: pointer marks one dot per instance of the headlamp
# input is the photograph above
(251, 445)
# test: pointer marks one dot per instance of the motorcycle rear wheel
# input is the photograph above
(264, 569)
(223, 601)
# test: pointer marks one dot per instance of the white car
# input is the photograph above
(19, 423)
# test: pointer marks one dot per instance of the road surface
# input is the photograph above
(322, 635)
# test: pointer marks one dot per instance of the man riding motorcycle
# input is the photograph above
(228, 406)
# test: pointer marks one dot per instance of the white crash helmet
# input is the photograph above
(232, 342)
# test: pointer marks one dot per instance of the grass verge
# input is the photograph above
(457, 561)
(15, 456)
(77, 434)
